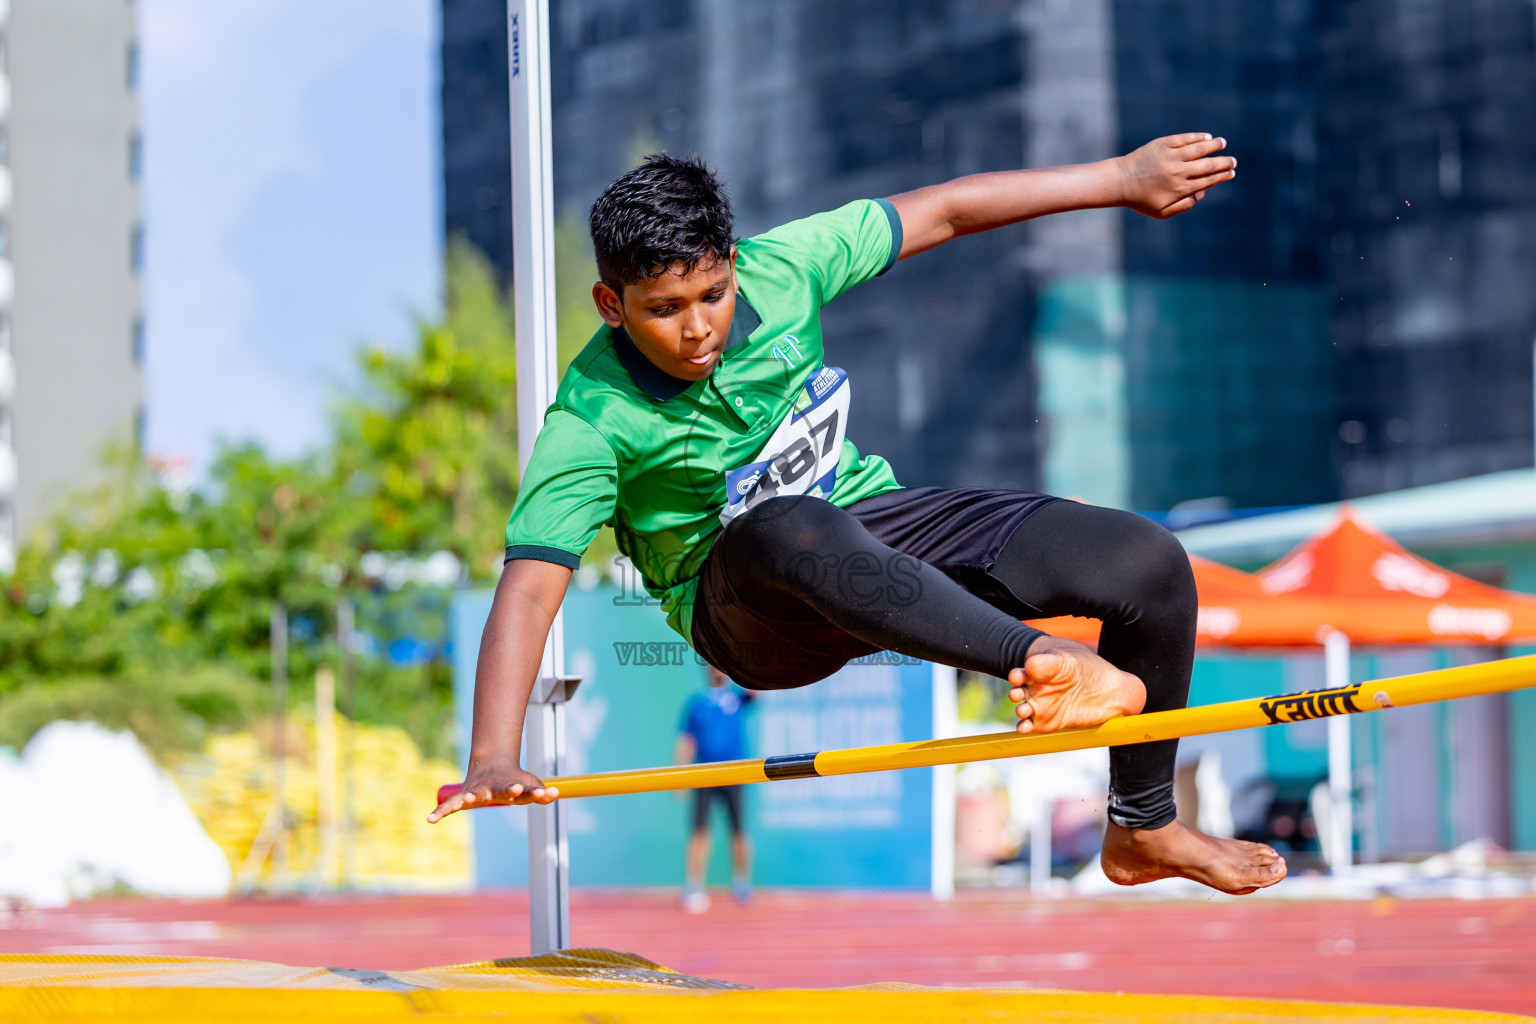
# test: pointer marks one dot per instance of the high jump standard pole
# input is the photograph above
(533, 282)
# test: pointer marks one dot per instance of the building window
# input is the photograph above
(133, 65)
(135, 157)
(5, 240)
(5, 148)
(136, 248)
(138, 341)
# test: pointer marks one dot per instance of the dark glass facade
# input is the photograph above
(477, 139)
(1304, 333)
(1429, 231)
(1229, 373)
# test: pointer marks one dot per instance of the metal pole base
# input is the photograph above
(549, 881)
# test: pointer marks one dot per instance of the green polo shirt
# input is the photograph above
(629, 445)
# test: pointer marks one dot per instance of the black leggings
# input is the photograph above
(1067, 558)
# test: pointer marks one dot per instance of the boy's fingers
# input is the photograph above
(1210, 180)
(1017, 694)
(1206, 147)
(445, 808)
(1209, 166)
(1187, 139)
(1186, 203)
(517, 793)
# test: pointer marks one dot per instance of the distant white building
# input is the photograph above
(71, 248)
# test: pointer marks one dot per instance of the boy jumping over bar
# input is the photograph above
(703, 424)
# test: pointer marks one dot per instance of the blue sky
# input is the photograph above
(291, 205)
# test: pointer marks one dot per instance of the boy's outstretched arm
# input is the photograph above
(511, 648)
(1165, 177)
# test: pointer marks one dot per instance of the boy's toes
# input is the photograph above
(1049, 667)
(1026, 713)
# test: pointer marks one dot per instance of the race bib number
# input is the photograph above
(801, 456)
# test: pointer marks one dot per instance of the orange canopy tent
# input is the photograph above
(1235, 610)
(1382, 594)
(1353, 579)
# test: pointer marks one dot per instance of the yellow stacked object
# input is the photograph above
(230, 788)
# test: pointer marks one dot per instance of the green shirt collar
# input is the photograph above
(660, 384)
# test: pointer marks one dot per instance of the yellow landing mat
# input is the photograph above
(579, 986)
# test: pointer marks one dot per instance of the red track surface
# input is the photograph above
(1474, 955)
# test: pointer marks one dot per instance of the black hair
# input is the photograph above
(665, 213)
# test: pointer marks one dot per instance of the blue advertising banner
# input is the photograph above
(870, 831)
(849, 831)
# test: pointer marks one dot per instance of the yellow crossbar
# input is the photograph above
(1420, 688)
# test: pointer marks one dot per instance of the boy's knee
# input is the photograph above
(1161, 566)
(787, 526)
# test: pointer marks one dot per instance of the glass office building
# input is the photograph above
(1244, 354)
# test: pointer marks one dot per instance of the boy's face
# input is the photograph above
(680, 322)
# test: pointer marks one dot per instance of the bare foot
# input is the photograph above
(1134, 856)
(1064, 685)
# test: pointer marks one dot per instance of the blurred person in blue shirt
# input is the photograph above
(714, 728)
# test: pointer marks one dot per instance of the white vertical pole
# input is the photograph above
(324, 872)
(1341, 830)
(346, 625)
(533, 281)
(1040, 849)
(549, 903)
(946, 723)
(279, 626)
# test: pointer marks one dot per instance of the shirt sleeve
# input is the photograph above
(567, 494)
(845, 246)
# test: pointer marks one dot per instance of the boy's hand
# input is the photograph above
(496, 784)
(1170, 175)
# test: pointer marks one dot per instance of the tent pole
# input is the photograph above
(533, 282)
(1040, 849)
(1341, 829)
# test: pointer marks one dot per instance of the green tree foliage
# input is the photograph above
(428, 449)
(148, 580)
(429, 446)
(148, 608)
